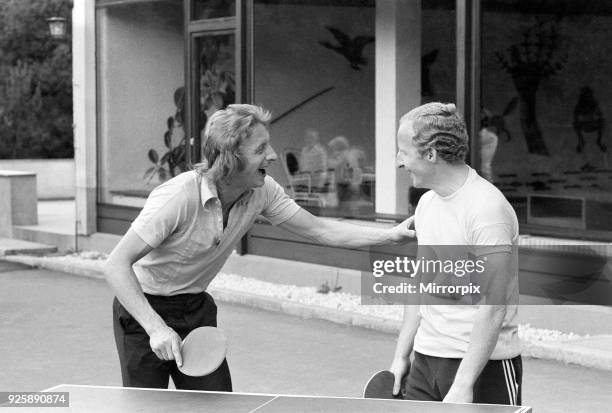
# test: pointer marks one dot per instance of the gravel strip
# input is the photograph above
(90, 262)
(305, 295)
(352, 303)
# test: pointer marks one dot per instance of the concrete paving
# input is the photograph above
(595, 321)
(57, 328)
(56, 220)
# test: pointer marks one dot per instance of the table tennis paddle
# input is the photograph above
(380, 386)
(203, 351)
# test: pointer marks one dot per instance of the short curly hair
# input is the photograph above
(439, 126)
(224, 134)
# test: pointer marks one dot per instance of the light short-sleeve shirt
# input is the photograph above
(182, 221)
(477, 214)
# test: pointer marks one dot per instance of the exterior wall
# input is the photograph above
(55, 178)
(17, 200)
(141, 57)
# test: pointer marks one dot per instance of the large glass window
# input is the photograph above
(212, 9)
(438, 51)
(545, 98)
(140, 65)
(314, 69)
(215, 79)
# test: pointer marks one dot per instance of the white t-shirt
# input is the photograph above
(476, 214)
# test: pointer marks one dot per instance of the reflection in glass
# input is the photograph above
(217, 78)
(314, 68)
(212, 9)
(172, 160)
(438, 51)
(545, 78)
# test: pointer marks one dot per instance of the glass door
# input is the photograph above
(214, 81)
(213, 65)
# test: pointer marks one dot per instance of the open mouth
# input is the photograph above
(262, 171)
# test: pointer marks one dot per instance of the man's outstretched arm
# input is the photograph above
(339, 233)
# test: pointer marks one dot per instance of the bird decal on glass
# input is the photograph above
(350, 48)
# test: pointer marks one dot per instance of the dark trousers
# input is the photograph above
(140, 367)
(430, 378)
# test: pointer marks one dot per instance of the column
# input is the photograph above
(398, 89)
(84, 104)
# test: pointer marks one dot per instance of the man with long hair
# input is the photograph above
(162, 266)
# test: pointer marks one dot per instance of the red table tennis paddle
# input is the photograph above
(203, 351)
(380, 386)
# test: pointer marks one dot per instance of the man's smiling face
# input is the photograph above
(257, 154)
(410, 158)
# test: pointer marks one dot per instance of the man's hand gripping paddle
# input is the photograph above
(203, 351)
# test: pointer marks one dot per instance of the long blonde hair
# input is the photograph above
(224, 134)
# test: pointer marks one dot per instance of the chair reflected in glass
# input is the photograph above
(311, 188)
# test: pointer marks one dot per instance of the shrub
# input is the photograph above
(36, 85)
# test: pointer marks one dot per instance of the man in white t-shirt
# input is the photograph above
(161, 268)
(462, 353)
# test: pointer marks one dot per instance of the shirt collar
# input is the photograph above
(208, 191)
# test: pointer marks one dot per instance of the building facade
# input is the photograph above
(531, 78)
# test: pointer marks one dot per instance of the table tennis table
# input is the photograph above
(120, 399)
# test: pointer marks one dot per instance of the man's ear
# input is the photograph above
(432, 154)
